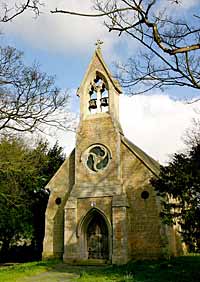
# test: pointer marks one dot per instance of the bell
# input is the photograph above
(93, 104)
(96, 79)
(104, 102)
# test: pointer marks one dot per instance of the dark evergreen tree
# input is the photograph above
(179, 187)
(24, 172)
(48, 163)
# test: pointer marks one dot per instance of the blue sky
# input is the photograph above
(63, 46)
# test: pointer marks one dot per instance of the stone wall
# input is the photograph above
(60, 186)
(98, 130)
(119, 192)
(147, 236)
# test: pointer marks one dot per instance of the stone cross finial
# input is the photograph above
(99, 43)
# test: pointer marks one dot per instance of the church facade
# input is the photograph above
(102, 207)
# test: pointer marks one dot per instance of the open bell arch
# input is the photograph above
(98, 92)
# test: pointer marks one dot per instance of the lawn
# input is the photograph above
(16, 272)
(182, 269)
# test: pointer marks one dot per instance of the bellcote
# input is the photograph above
(99, 91)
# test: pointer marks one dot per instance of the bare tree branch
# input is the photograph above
(29, 99)
(89, 15)
(171, 41)
(9, 12)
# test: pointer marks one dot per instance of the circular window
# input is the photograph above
(96, 157)
(58, 201)
(145, 195)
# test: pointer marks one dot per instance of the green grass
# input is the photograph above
(16, 272)
(182, 269)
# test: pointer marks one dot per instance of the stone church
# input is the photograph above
(102, 207)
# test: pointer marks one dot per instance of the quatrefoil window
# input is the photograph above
(96, 158)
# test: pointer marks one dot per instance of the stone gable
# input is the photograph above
(102, 208)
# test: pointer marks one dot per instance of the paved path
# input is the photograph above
(60, 273)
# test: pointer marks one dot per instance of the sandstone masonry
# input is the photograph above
(102, 208)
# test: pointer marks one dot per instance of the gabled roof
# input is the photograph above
(148, 161)
(97, 57)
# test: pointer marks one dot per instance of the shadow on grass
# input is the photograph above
(181, 269)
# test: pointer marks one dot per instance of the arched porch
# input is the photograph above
(94, 232)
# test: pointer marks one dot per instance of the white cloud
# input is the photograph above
(61, 32)
(65, 139)
(156, 123)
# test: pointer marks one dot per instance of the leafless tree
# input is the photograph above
(191, 138)
(29, 100)
(12, 9)
(171, 53)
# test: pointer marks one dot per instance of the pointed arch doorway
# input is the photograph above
(96, 235)
(97, 238)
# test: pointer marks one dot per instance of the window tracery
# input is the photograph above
(96, 157)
